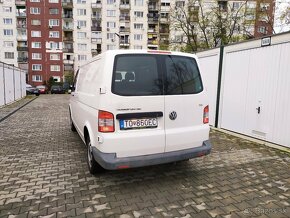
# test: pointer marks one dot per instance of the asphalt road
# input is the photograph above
(43, 172)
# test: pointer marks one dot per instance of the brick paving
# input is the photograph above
(43, 173)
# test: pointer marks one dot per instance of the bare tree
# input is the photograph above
(206, 26)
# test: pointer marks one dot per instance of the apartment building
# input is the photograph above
(8, 52)
(52, 38)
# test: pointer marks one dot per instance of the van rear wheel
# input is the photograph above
(94, 167)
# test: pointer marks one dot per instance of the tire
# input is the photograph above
(94, 167)
(72, 126)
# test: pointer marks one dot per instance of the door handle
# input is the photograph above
(258, 109)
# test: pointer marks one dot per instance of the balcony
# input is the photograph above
(96, 28)
(68, 28)
(68, 62)
(153, 19)
(68, 67)
(67, 4)
(152, 30)
(165, 8)
(153, 42)
(21, 38)
(153, 8)
(20, 2)
(22, 59)
(96, 17)
(164, 20)
(21, 26)
(67, 16)
(97, 40)
(22, 48)
(67, 50)
(124, 6)
(124, 29)
(68, 39)
(124, 42)
(97, 5)
(20, 14)
(124, 18)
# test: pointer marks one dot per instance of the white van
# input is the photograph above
(138, 108)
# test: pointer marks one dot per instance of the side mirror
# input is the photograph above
(72, 88)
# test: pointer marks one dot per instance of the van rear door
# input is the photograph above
(137, 101)
(184, 104)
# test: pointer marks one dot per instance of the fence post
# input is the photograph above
(219, 86)
(14, 83)
(4, 84)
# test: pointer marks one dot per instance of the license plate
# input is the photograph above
(138, 123)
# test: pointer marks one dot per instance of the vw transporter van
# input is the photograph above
(137, 108)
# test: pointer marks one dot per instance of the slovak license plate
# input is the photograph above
(138, 123)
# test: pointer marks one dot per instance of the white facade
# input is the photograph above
(8, 33)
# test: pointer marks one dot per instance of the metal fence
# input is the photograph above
(12, 84)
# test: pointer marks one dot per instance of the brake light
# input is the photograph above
(206, 115)
(106, 122)
(158, 52)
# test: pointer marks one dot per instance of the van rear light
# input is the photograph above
(206, 114)
(158, 52)
(106, 122)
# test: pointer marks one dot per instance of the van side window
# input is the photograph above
(183, 76)
(136, 75)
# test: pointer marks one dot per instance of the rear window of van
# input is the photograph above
(147, 74)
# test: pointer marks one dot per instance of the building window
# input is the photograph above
(34, 0)
(82, 12)
(36, 67)
(138, 37)
(110, 2)
(54, 68)
(54, 45)
(111, 24)
(82, 47)
(53, 22)
(36, 78)
(111, 47)
(7, 20)
(35, 22)
(262, 29)
(53, 1)
(7, 9)
(36, 44)
(81, 1)
(53, 34)
(82, 23)
(111, 13)
(8, 44)
(34, 10)
(138, 13)
(53, 11)
(137, 46)
(111, 36)
(82, 57)
(56, 78)
(36, 56)
(139, 2)
(138, 26)
(8, 32)
(82, 35)
(35, 33)
(9, 55)
(54, 57)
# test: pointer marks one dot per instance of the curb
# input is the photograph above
(17, 109)
(258, 141)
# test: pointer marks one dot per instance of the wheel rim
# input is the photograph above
(90, 155)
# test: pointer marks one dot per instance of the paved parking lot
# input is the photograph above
(43, 172)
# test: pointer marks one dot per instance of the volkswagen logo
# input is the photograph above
(172, 115)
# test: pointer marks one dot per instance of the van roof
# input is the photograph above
(135, 51)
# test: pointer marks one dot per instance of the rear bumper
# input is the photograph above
(109, 161)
